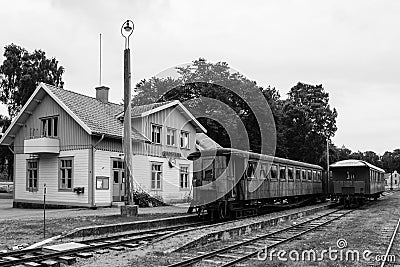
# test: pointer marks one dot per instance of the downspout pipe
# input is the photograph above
(92, 200)
(13, 152)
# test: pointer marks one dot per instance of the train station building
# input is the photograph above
(392, 180)
(73, 144)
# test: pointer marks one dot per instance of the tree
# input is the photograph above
(6, 157)
(204, 88)
(21, 73)
(308, 121)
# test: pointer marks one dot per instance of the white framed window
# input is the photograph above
(171, 137)
(156, 175)
(156, 133)
(32, 175)
(65, 174)
(184, 177)
(185, 139)
(49, 126)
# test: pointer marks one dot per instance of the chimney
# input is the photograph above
(102, 93)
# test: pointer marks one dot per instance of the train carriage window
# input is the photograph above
(290, 173)
(309, 176)
(282, 172)
(314, 175)
(303, 174)
(319, 176)
(298, 174)
(274, 171)
(263, 171)
(208, 167)
(251, 169)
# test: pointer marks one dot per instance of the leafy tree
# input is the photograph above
(216, 82)
(372, 157)
(6, 157)
(20, 74)
(308, 121)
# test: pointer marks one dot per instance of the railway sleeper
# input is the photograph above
(50, 263)
(68, 260)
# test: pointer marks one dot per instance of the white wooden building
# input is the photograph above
(73, 144)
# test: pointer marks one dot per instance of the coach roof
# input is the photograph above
(354, 163)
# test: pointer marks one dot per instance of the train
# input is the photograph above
(353, 181)
(231, 183)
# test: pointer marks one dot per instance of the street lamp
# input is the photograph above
(126, 31)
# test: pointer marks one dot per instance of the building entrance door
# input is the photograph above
(118, 180)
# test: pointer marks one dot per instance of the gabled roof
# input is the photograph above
(354, 163)
(94, 116)
(146, 110)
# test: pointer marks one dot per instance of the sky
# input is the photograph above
(352, 48)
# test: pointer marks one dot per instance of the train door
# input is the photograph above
(291, 183)
(274, 181)
(297, 182)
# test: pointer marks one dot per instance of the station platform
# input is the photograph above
(8, 212)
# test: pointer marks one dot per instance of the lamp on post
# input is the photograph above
(129, 209)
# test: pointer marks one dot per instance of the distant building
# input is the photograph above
(392, 180)
(73, 144)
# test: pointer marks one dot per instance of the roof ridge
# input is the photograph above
(76, 93)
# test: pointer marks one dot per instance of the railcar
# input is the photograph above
(232, 183)
(353, 181)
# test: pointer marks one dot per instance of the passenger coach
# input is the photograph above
(353, 181)
(231, 182)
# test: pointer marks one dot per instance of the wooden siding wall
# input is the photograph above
(103, 161)
(48, 174)
(167, 118)
(170, 190)
(70, 133)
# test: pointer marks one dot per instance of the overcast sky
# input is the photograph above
(351, 47)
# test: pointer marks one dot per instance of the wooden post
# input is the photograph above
(44, 210)
(127, 126)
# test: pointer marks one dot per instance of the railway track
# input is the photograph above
(392, 255)
(87, 248)
(250, 248)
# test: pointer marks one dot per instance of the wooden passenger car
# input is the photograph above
(355, 180)
(229, 181)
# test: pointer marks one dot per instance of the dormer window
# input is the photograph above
(49, 127)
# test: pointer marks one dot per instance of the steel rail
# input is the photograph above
(143, 235)
(213, 253)
(390, 243)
